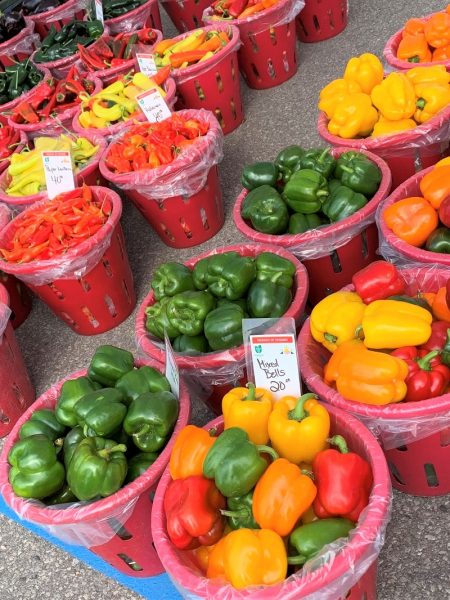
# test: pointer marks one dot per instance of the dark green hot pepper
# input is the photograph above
(305, 191)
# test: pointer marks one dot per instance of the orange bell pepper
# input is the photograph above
(441, 53)
(414, 49)
(413, 27)
(248, 408)
(437, 30)
(412, 220)
(189, 451)
(441, 311)
(281, 496)
(435, 186)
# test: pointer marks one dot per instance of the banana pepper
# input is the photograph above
(395, 97)
(334, 93)
(365, 70)
(248, 408)
(432, 98)
(353, 117)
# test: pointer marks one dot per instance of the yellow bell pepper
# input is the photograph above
(395, 97)
(365, 70)
(334, 93)
(367, 377)
(336, 318)
(432, 98)
(394, 324)
(299, 428)
(386, 127)
(353, 117)
(437, 74)
(248, 408)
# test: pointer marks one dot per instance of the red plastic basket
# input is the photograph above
(146, 15)
(220, 371)
(122, 519)
(59, 16)
(321, 20)
(215, 83)
(19, 47)
(6, 108)
(186, 14)
(352, 243)
(17, 392)
(99, 299)
(417, 467)
(352, 573)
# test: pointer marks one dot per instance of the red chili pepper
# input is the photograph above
(427, 376)
(378, 281)
(24, 113)
(146, 35)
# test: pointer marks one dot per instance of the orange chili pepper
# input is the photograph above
(437, 30)
(435, 186)
(412, 220)
(414, 49)
(413, 27)
(441, 311)
(189, 451)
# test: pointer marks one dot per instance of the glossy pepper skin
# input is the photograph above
(343, 203)
(444, 212)
(98, 468)
(439, 241)
(414, 49)
(395, 97)
(437, 30)
(299, 223)
(281, 496)
(71, 441)
(235, 463)
(258, 174)
(200, 270)
(249, 557)
(354, 117)
(344, 481)
(141, 380)
(365, 376)
(230, 276)
(139, 463)
(171, 278)
(158, 322)
(358, 173)
(187, 311)
(336, 318)
(192, 508)
(445, 356)
(439, 307)
(63, 496)
(378, 281)
(35, 471)
(248, 408)
(412, 220)
(71, 392)
(268, 300)
(320, 160)
(262, 192)
(267, 211)
(101, 413)
(150, 420)
(427, 376)
(305, 191)
(386, 127)
(43, 422)
(274, 268)
(109, 364)
(334, 93)
(432, 98)
(189, 452)
(223, 327)
(288, 161)
(190, 344)
(366, 70)
(436, 74)
(308, 540)
(299, 428)
(438, 336)
(239, 512)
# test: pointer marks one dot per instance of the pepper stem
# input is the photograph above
(322, 156)
(296, 560)
(329, 337)
(144, 429)
(414, 59)
(322, 193)
(299, 413)
(420, 104)
(251, 392)
(424, 362)
(234, 513)
(106, 452)
(339, 442)
(267, 450)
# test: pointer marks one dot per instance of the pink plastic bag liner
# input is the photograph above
(5, 216)
(26, 45)
(77, 261)
(69, 12)
(5, 313)
(186, 175)
(278, 14)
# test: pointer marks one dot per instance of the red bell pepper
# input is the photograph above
(427, 376)
(438, 336)
(343, 480)
(193, 516)
(378, 281)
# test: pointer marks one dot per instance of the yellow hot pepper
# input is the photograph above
(394, 324)
(365, 70)
(353, 117)
(334, 93)
(395, 97)
(386, 127)
(299, 428)
(335, 319)
(432, 98)
(248, 408)
(365, 376)
(437, 74)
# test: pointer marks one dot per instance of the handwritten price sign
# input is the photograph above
(146, 64)
(58, 171)
(153, 106)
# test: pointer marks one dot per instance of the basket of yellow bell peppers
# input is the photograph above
(259, 492)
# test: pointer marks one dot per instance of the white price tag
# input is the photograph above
(146, 64)
(172, 373)
(153, 106)
(275, 365)
(58, 171)
(99, 10)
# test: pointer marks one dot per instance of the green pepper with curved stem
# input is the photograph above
(223, 327)
(258, 174)
(43, 422)
(439, 241)
(109, 364)
(319, 160)
(230, 276)
(358, 172)
(299, 223)
(268, 300)
(288, 161)
(308, 540)
(171, 278)
(191, 344)
(187, 311)
(101, 413)
(268, 213)
(139, 463)
(275, 268)
(141, 380)
(158, 322)
(71, 392)
(71, 441)
(239, 512)
(306, 191)
(343, 203)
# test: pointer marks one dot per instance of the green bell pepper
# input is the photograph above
(358, 172)
(72, 391)
(64, 496)
(439, 241)
(333, 184)
(98, 468)
(43, 422)
(157, 321)
(141, 380)
(71, 441)
(445, 356)
(343, 203)
(242, 303)
(171, 278)
(288, 161)
(274, 268)
(267, 211)
(191, 344)
(109, 364)
(235, 463)
(259, 193)
(319, 160)
(101, 413)
(187, 311)
(139, 463)
(230, 276)
(308, 540)
(305, 191)
(258, 174)
(150, 420)
(223, 327)
(268, 300)
(35, 471)
(239, 512)
(299, 223)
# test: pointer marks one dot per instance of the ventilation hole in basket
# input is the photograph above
(106, 264)
(302, 27)
(344, 9)
(402, 448)
(255, 71)
(335, 262)
(196, 21)
(199, 90)
(180, 100)
(69, 320)
(3, 418)
(316, 23)
(120, 530)
(348, 594)
(445, 437)
(219, 83)
(330, 18)
(18, 394)
(285, 62)
(160, 204)
(233, 109)
(364, 244)
(126, 290)
(204, 219)
(134, 566)
(84, 284)
(185, 228)
(271, 69)
(364, 596)
(395, 473)
(110, 306)
(219, 117)
(57, 292)
(10, 350)
(233, 70)
(431, 475)
(121, 242)
(273, 36)
(90, 317)
(167, 232)
(254, 43)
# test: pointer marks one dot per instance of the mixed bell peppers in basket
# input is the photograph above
(306, 189)
(226, 10)
(269, 486)
(201, 310)
(387, 346)
(426, 40)
(197, 47)
(366, 103)
(64, 42)
(17, 79)
(107, 429)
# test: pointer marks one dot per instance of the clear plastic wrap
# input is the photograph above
(5, 215)
(186, 175)
(5, 313)
(321, 242)
(328, 576)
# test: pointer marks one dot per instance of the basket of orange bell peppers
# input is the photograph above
(276, 481)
